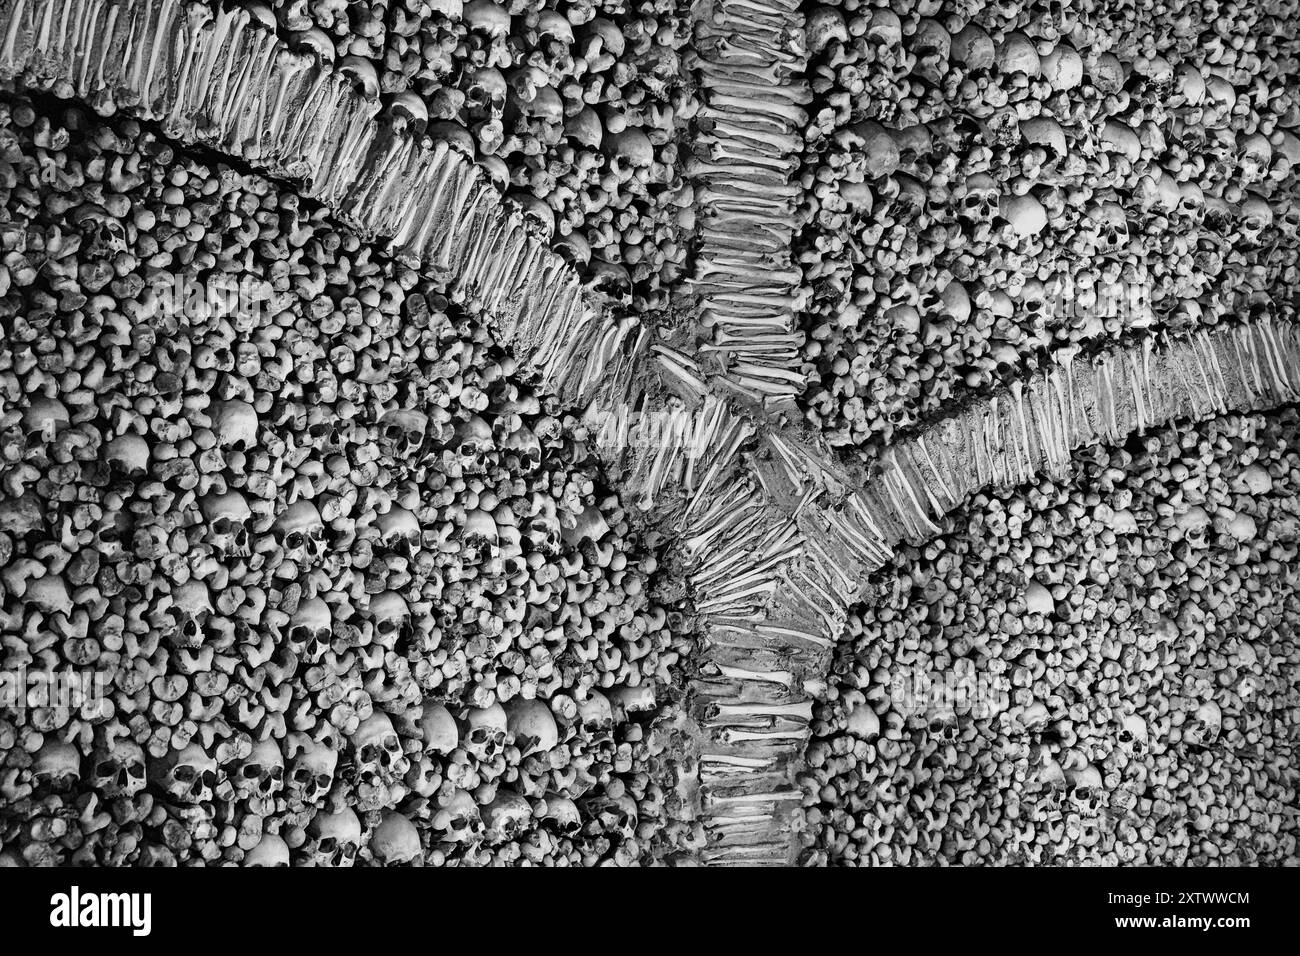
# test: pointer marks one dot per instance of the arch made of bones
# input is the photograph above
(776, 535)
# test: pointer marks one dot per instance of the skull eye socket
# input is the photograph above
(106, 768)
(251, 771)
(323, 781)
(221, 526)
(185, 773)
(327, 844)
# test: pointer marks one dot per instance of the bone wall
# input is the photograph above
(775, 535)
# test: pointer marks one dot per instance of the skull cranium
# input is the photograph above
(312, 764)
(118, 768)
(187, 775)
(332, 839)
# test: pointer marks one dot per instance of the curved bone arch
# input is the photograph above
(778, 537)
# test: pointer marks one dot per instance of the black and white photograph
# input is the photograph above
(650, 434)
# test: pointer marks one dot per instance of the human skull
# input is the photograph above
(532, 724)
(487, 92)
(271, 851)
(522, 449)
(1033, 718)
(944, 726)
(863, 722)
(589, 526)
(426, 774)
(332, 839)
(396, 841)
(102, 234)
(1017, 54)
(510, 546)
(399, 530)
(259, 777)
(1132, 738)
(973, 49)
(302, 531)
(1087, 793)
(1107, 73)
(508, 815)
(979, 201)
(473, 445)
(930, 44)
(408, 113)
(486, 729)
(1220, 99)
(118, 768)
(1256, 217)
(1063, 68)
(562, 814)
(311, 40)
(1193, 523)
(312, 764)
(402, 433)
(1254, 156)
(1052, 782)
(615, 815)
(187, 775)
(391, 615)
(1191, 199)
(629, 700)
(1046, 132)
(1205, 726)
(543, 529)
(56, 764)
(1025, 215)
(235, 424)
(459, 819)
(1111, 223)
(597, 714)
(311, 628)
(128, 453)
(44, 418)
(479, 538)
(1119, 138)
(227, 516)
(377, 750)
(886, 31)
(438, 732)
(191, 608)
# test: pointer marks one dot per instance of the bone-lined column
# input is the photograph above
(750, 60)
(771, 586)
